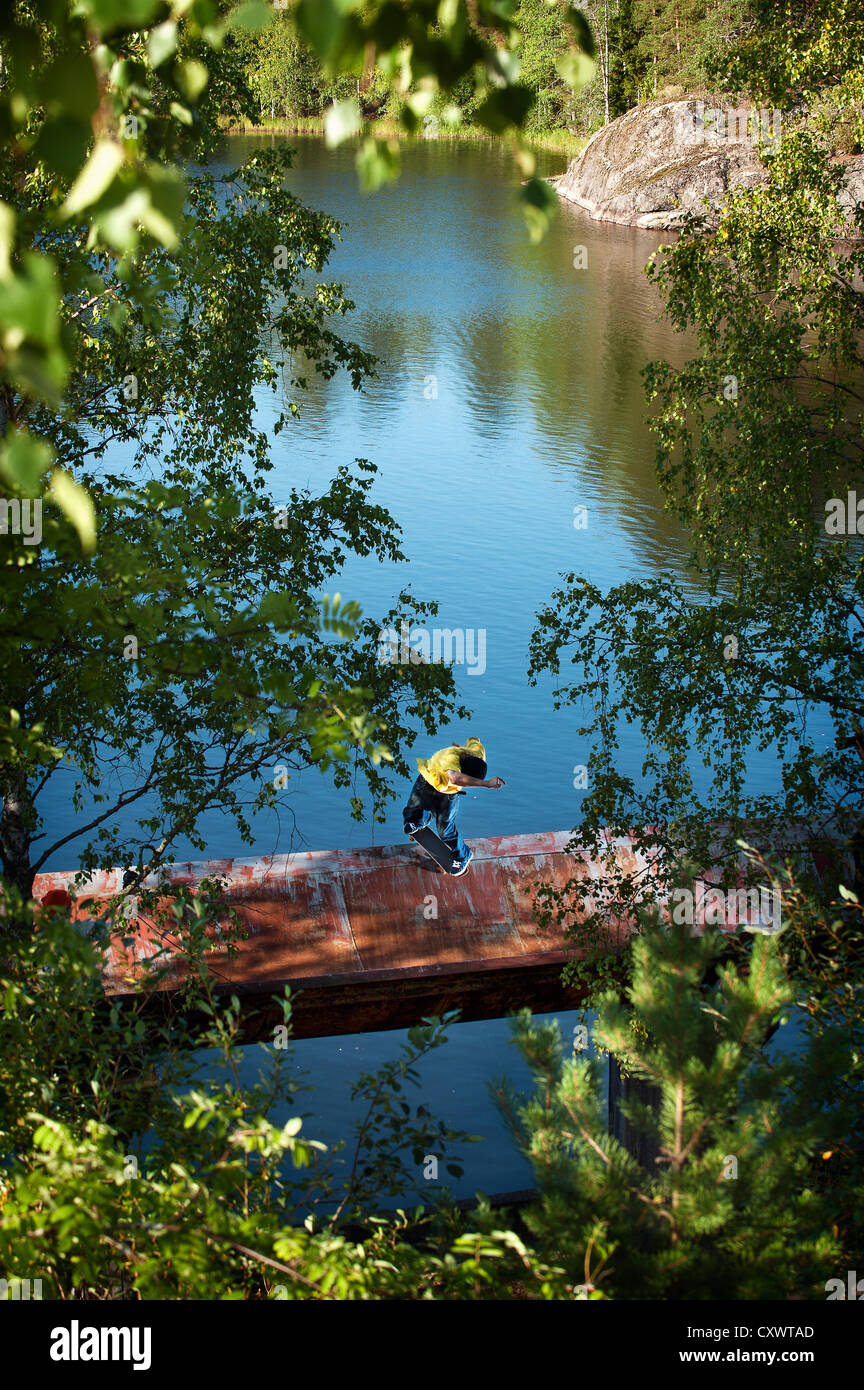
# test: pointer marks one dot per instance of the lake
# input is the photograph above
(508, 394)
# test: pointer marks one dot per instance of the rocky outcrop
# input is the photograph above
(662, 160)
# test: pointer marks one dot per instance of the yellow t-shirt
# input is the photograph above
(436, 770)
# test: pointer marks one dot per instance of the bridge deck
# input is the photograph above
(371, 938)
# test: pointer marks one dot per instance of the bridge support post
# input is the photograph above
(622, 1088)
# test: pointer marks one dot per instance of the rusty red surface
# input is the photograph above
(372, 938)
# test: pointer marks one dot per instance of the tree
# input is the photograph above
(759, 437)
(179, 1186)
(732, 1208)
(426, 52)
(188, 653)
(753, 436)
(600, 14)
(622, 61)
(727, 25)
(671, 34)
(103, 102)
(282, 72)
(544, 44)
(95, 110)
(627, 63)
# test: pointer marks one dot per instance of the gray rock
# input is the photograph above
(662, 160)
(853, 189)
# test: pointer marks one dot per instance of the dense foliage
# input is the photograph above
(755, 436)
(189, 649)
(131, 1172)
(759, 441)
(641, 48)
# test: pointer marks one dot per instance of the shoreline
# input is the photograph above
(555, 142)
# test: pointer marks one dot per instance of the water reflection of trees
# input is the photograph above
(528, 353)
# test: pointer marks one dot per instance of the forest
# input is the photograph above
(643, 50)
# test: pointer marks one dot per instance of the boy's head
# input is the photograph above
(472, 766)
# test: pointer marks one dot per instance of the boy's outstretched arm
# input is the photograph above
(458, 779)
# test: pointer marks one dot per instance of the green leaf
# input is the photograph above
(341, 121)
(377, 163)
(577, 69)
(118, 225)
(192, 77)
(155, 203)
(29, 328)
(162, 43)
(122, 16)
(321, 24)
(95, 178)
(29, 302)
(278, 608)
(181, 113)
(582, 30)
(252, 16)
(164, 212)
(62, 144)
(70, 84)
(25, 459)
(505, 108)
(8, 221)
(540, 202)
(77, 506)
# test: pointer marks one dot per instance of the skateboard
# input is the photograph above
(436, 849)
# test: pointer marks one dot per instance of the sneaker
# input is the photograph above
(457, 873)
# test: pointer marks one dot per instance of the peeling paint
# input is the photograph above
(346, 927)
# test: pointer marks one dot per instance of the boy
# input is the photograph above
(434, 794)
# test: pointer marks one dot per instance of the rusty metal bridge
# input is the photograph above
(366, 939)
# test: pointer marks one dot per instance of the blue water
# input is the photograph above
(508, 394)
(455, 1087)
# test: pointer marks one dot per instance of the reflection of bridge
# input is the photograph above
(374, 938)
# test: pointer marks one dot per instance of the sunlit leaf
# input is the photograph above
(95, 178)
(162, 43)
(25, 459)
(341, 121)
(77, 505)
(577, 69)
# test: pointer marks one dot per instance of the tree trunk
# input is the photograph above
(605, 57)
(15, 831)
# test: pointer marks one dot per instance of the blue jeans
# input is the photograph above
(425, 806)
